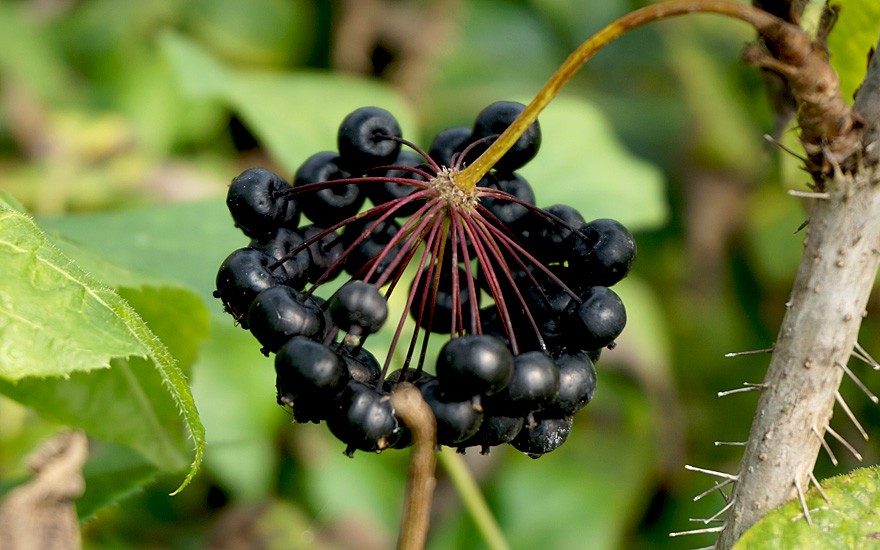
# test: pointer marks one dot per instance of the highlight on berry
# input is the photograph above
(519, 294)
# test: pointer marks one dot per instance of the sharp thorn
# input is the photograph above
(731, 443)
(717, 529)
(721, 511)
(722, 475)
(858, 382)
(746, 388)
(770, 139)
(717, 487)
(749, 352)
(825, 446)
(850, 414)
(800, 492)
(844, 442)
(819, 487)
(808, 194)
(863, 354)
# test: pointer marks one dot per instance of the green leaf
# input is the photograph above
(233, 382)
(77, 353)
(850, 42)
(112, 473)
(849, 519)
(293, 114)
(582, 163)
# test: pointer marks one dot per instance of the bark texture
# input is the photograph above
(826, 306)
(818, 333)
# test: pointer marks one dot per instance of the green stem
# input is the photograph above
(472, 497)
(761, 20)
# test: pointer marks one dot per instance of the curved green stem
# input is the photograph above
(473, 500)
(761, 20)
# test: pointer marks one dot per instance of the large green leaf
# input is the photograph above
(851, 41)
(849, 519)
(232, 382)
(77, 353)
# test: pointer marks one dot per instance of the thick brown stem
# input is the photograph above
(817, 335)
(417, 415)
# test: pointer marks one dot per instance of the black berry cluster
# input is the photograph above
(520, 293)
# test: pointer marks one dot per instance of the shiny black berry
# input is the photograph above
(511, 214)
(364, 419)
(494, 431)
(448, 144)
(546, 435)
(436, 313)
(332, 203)
(598, 320)
(493, 120)
(279, 246)
(279, 313)
(358, 307)
(533, 385)
(362, 365)
(306, 368)
(602, 252)
(257, 203)
(387, 191)
(242, 275)
(550, 238)
(363, 139)
(324, 254)
(577, 384)
(457, 419)
(474, 364)
(366, 251)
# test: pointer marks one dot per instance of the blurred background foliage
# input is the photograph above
(122, 122)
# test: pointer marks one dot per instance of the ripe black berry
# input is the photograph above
(364, 419)
(279, 246)
(363, 138)
(242, 275)
(306, 368)
(257, 203)
(279, 313)
(331, 203)
(598, 320)
(362, 365)
(577, 384)
(533, 385)
(474, 364)
(512, 214)
(548, 434)
(457, 419)
(370, 241)
(550, 237)
(494, 431)
(493, 120)
(324, 254)
(449, 143)
(387, 191)
(603, 252)
(434, 312)
(358, 307)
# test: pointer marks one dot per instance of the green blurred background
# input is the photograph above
(122, 122)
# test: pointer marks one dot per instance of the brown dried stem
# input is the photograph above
(417, 415)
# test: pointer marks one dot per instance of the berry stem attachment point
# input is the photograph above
(763, 22)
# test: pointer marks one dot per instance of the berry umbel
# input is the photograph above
(519, 293)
